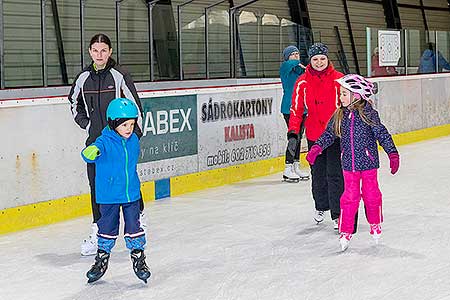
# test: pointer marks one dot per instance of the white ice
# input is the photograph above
(257, 240)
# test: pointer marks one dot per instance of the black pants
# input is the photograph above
(95, 206)
(289, 158)
(327, 179)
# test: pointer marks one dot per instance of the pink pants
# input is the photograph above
(352, 194)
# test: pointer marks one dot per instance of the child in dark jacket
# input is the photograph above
(359, 127)
(115, 155)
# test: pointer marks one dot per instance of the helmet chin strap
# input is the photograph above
(356, 98)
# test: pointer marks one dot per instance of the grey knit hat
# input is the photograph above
(317, 49)
(288, 51)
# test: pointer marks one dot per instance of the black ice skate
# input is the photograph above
(99, 268)
(139, 266)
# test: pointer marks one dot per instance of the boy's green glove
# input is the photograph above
(91, 152)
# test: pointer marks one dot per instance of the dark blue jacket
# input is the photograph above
(428, 62)
(359, 149)
(290, 70)
(116, 178)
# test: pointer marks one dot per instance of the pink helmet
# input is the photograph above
(358, 85)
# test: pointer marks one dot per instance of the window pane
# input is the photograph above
(68, 12)
(22, 43)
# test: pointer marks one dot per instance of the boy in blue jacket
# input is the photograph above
(115, 155)
(290, 70)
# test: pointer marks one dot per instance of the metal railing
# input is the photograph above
(180, 39)
(207, 9)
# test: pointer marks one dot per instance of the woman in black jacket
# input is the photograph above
(92, 91)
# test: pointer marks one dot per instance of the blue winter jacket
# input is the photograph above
(359, 150)
(289, 72)
(116, 178)
(428, 62)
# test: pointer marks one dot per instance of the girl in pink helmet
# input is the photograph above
(358, 125)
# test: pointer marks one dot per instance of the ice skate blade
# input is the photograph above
(94, 279)
(344, 245)
(290, 180)
(318, 222)
(145, 279)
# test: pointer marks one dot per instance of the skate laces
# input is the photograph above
(375, 229)
(101, 261)
(346, 236)
(138, 257)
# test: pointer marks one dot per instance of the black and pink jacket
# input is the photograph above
(359, 150)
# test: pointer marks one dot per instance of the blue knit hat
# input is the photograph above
(317, 49)
(288, 51)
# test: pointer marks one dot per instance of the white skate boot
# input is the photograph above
(336, 224)
(344, 240)
(302, 174)
(318, 216)
(143, 221)
(289, 175)
(375, 232)
(89, 245)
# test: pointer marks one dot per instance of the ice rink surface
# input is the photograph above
(257, 240)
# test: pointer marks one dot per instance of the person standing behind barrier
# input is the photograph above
(378, 70)
(92, 91)
(290, 70)
(359, 127)
(428, 61)
(317, 91)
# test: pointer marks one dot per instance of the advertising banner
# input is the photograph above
(169, 143)
(237, 127)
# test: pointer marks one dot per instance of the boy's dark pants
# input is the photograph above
(95, 206)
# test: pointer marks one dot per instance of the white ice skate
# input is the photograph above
(318, 216)
(336, 224)
(143, 221)
(302, 174)
(289, 174)
(375, 232)
(344, 240)
(89, 245)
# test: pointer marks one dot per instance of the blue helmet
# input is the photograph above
(121, 109)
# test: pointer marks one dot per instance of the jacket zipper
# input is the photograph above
(351, 139)
(98, 100)
(126, 170)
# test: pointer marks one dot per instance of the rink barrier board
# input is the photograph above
(53, 211)
(48, 212)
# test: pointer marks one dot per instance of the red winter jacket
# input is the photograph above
(319, 94)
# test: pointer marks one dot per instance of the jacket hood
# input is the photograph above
(111, 134)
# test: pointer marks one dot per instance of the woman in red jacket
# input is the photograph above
(317, 91)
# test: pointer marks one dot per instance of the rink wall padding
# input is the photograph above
(195, 137)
